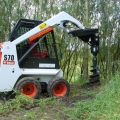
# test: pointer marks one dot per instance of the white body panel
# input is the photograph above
(62, 17)
(7, 77)
(39, 71)
(47, 77)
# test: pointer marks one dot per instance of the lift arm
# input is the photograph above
(57, 20)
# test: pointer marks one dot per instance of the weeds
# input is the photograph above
(30, 115)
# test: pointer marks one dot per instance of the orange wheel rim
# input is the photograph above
(29, 89)
(60, 89)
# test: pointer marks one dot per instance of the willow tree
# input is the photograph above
(109, 26)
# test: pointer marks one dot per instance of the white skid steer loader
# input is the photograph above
(27, 63)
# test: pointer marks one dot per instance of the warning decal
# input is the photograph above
(42, 26)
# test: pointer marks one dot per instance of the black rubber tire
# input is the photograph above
(26, 81)
(56, 81)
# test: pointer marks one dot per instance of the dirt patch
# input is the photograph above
(91, 85)
(69, 101)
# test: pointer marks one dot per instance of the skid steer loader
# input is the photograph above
(27, 63)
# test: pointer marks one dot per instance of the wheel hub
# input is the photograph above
(60, 89)
(29, 89)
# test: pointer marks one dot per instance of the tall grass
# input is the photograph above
(105, 106)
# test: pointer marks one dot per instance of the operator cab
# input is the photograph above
(32, 55)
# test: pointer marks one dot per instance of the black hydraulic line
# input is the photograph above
(29, 50)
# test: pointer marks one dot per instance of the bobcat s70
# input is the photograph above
(27, 63)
